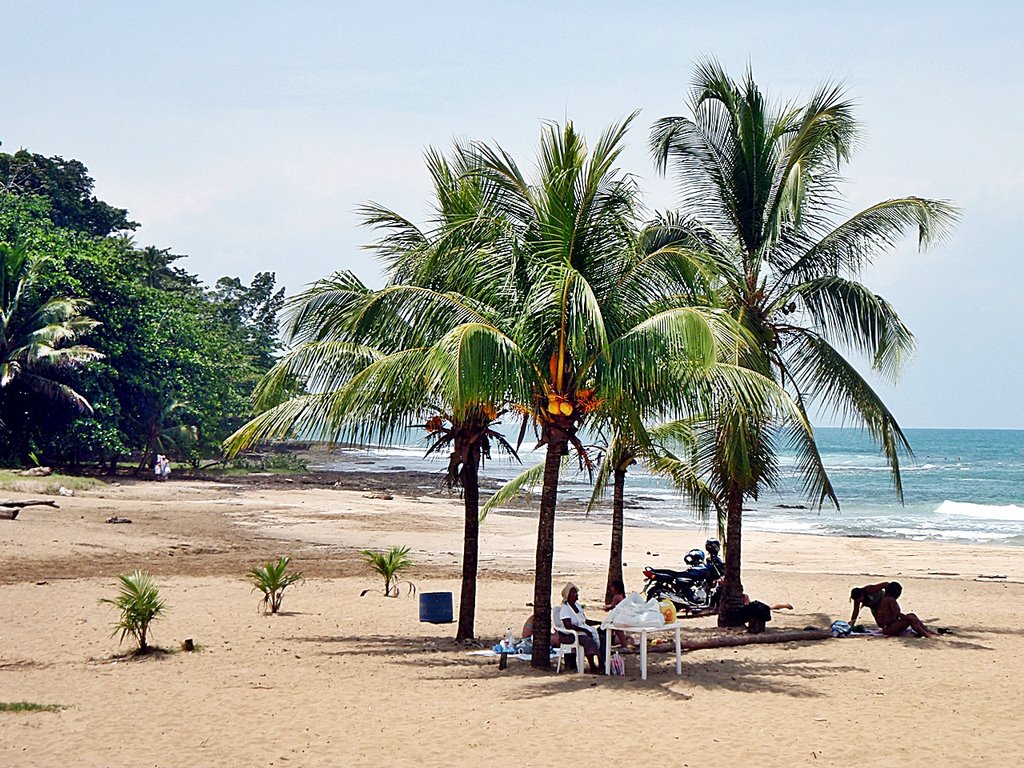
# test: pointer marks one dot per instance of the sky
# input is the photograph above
(247, 134)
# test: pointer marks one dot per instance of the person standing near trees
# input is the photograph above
(162, 467)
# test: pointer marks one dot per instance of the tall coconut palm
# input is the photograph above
(37, 335)
(759, 186)
(619, 455)
(592, 330)
(373, 362)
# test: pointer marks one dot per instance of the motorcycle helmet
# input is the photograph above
(694, 558)
(713, 546)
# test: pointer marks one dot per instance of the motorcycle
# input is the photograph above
(695, 590)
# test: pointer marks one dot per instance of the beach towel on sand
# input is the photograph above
(841, 629)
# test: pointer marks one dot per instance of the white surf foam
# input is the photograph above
(981, 511)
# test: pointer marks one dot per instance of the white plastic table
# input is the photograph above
(643, 632)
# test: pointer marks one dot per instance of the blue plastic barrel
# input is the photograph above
(436, 607)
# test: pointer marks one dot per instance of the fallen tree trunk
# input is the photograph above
(9, 508)
(20, 503)
(726, 641)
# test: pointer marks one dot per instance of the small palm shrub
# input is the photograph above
(140, 604)
(272, 579)
(389, 564)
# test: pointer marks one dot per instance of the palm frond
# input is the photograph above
(525, 483)
(851, 245)
(54, 390)
(319, 365)
(324, 310)
(849, 313)
(843, 391)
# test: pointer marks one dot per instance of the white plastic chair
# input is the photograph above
(566, 648)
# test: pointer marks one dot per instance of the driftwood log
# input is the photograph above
(37, 472)
(9, 508)
(19, 503)
(725, 641)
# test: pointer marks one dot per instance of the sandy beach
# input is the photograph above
(338, 679)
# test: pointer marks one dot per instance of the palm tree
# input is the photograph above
(37, 335)
(374, 362)
(593, 329)
(759, 192)
(682, 280)
(370, 395)
(157, 270)
(620, 454)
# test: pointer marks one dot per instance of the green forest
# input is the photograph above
(110, 352)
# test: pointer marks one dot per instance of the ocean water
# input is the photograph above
(960, 485)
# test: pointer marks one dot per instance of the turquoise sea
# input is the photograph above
(960, 485)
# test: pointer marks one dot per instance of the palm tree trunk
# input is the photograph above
(545, 554)
(145, 456)
(618, 519)
(470, 545)
(731, 600)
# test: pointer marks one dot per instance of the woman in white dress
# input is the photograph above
(572, 617)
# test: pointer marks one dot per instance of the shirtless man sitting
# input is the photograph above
(893, 621)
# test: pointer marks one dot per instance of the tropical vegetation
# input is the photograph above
(699, 342)
(389, 564)
(37, 341)
(272, 579)
(535, 299)
(108, 350)
(138, 599)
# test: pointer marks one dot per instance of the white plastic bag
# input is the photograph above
(634, 611)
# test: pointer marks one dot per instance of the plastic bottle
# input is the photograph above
(510, 640)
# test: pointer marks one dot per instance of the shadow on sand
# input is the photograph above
(449, 660)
